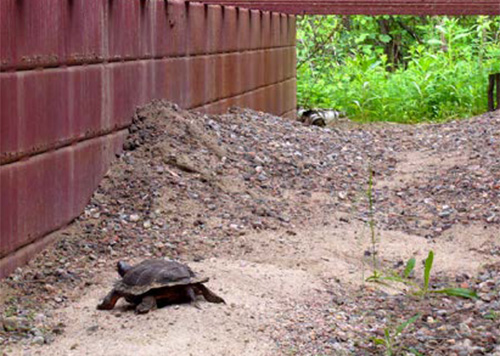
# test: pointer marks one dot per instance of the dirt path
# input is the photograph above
(277, 271)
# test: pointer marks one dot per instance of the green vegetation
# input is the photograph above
(423, 290)
(397, 68)
(390, 338)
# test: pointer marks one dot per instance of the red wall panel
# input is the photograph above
(88, 113)
(43, 98)
(85, 31)
(46, 191)
(9, 139)
(73, 72)
(124, 29)
(28, 39)
(175, 31)
(196, 30)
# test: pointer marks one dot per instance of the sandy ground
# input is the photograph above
(272, 272)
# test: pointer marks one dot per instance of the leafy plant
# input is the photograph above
(390, 338)
(455, 292)
(423, 290)
(397, 68)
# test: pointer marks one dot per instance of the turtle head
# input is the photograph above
(123, 267)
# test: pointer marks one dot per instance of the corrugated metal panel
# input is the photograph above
(370, 7)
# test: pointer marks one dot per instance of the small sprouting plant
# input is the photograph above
(371, 222)
(424, 290)
(389, 341)
(455, 292)
(376, 274)
(492, 315)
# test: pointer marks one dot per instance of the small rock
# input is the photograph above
(159, 222)
(36, 332)
(92, 329)
(464, 329)
(262, 177)
(134, 217)
(14, 323)
(491, 218)
(49, 339)
(38, 340)
(445, 211)
(442, 312)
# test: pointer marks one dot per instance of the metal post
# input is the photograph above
(498, 90)
(491, 88)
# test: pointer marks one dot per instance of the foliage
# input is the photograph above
(397, 68)
(389, 340)
(423, 290)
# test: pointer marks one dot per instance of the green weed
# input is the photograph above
(389, 341)
(422, 290)
(492, 315)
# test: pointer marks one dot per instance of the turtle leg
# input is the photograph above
(192, 295)
(109, 301)
(147, 303)
(209, 295)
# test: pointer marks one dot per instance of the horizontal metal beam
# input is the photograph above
(370, 7)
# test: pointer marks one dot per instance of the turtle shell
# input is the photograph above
(154, 274)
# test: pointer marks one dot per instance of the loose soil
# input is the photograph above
(276, 213)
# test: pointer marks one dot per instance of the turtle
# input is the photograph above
(156, 281)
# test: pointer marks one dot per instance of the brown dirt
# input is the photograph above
(276, 214)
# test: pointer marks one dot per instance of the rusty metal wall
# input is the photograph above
(73, 71)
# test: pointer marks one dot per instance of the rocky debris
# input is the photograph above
(445, 326)
(14, 323)
(191, 185)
